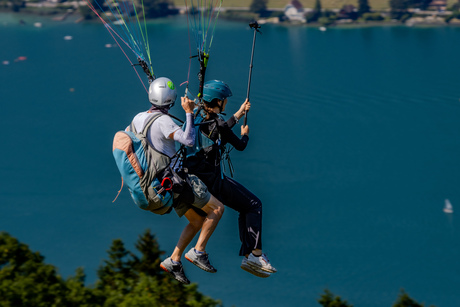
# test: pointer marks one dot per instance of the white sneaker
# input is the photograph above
(261, 263)
(257, 272)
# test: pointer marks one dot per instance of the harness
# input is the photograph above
(204, 144)
(171, 175)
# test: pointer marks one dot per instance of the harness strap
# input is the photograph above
(150, 122)
(132, 128)
(119, 191)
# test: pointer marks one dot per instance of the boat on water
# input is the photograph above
(20, 58)
(448, 207)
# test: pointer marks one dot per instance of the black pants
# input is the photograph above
(234, 195)
(237, 197)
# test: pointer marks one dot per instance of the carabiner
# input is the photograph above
(170, 183)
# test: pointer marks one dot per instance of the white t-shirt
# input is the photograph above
(159, 132)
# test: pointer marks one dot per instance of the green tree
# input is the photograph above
(363, 7)
(455, 14)
(424, 4)
(398, 5)
(157, 8)
(25, 280)
(117, 269)
(455, 6)
(404, 300)
(258, 6)
(398, 8)
(149, 262)
(372, 16)
(87, 13)
(79, 294)
(126, 279)
(329, 300)
(315, 14)
(17, 5)
(317, 7)
(161, 286)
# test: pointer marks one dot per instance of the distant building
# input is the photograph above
(438, 5)
(348, 11)
(127, 8)
(294, 11)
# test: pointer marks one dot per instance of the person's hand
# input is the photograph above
(245, 106)
(243, 109)
(187, 104)
(244, 130)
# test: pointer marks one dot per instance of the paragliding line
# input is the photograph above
(111, 31)
(202, 22)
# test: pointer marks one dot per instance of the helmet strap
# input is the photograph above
(221, 106)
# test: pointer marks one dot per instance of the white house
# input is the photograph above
(294, 11)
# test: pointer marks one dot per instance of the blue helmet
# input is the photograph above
(216, 89)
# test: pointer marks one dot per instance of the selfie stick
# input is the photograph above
(254, 25)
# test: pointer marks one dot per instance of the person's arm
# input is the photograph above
(186, 137)
(231, 138)
(232, 121)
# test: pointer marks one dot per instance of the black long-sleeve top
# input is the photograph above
(217, 129)
(224, 128)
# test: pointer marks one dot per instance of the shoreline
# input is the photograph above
(75, 17)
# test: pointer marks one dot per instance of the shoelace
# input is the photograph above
(204, 256)
(178, 267)
(264, 257)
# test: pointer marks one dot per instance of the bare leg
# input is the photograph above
(189, 232)
(214, 210)
(255, 252)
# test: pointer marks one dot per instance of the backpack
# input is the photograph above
(140, 165)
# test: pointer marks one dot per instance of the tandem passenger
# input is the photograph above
(195, 196)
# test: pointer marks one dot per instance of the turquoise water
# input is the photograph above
(355, 144)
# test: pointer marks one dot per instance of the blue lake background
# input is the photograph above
(354, 146)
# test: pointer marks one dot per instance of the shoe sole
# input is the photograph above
(173, 276)
(249, 269)
(256, 267)
(200, 266)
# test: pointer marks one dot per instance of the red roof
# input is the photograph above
(297, 4)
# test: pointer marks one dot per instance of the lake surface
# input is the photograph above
(355, 145)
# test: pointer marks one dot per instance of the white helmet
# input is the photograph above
(162, 92)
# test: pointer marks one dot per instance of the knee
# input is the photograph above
(220, 209)
(256, 205)
(214, 208)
